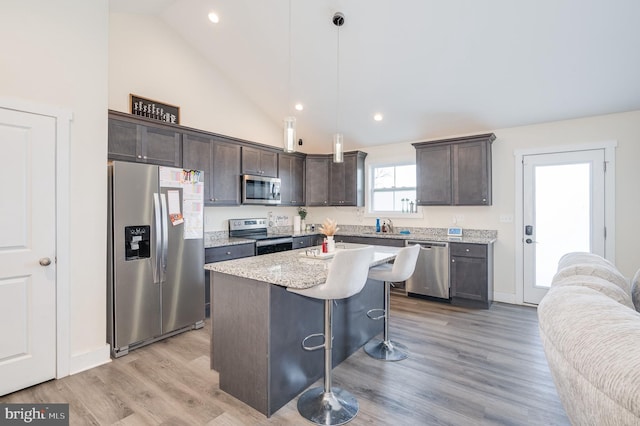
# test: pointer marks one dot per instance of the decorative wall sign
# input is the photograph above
(154, 110)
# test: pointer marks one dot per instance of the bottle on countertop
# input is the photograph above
(325, 246)
(384, 226)
(378, 224)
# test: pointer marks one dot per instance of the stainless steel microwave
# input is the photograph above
(260, 190)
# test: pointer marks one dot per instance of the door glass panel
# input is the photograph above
(562, 215)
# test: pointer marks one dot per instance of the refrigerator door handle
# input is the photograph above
(157, 221)
(165, 238)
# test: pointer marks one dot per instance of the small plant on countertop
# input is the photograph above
(329, 227)
(302, 212)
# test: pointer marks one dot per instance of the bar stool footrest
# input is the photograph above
(371, 311)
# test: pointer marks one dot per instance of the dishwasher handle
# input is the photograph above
(429, 244)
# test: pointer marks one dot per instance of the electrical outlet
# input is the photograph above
(506, 218)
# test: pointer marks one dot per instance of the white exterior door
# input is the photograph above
(27, 249)
(563, 211)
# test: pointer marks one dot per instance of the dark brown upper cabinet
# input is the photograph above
(346, 180)
(454, 171)
(260, 162)
(317, 180)
(135, 141)
(292, 176)
(220, 162)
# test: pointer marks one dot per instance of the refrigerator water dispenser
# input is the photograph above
(137, 241)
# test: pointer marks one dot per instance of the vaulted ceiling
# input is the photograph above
(432, 68)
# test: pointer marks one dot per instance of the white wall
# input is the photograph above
(55, 53)
(147, 58)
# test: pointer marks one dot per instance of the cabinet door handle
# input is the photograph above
(139, 156)
(467, 250)
(453, 261)
(228, 253)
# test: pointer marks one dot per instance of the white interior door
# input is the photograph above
(563, 211)
(27, 249)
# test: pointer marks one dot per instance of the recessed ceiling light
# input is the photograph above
(377, 117)
(299, 106)
(213, 17)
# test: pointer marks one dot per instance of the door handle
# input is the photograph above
(157, 221)
(165, 237)
(530, 241)
(45, 261)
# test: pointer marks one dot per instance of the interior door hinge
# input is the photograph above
(605, 232)
(604, 166)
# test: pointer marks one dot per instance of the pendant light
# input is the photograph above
(338, 143)
(289, 122)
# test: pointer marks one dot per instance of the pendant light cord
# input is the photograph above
(289, 70)
(338, 83)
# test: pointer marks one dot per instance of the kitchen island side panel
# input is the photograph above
(239, 347)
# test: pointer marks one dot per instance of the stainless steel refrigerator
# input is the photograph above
(155, 250)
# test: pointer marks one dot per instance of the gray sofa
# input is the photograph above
(590, 332)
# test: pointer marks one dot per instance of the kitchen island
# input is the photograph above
(258, 326)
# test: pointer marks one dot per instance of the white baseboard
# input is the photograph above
(91, 359)
(505, 298)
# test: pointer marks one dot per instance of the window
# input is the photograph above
(393, 188)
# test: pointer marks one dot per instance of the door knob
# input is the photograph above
(45, 261)
(528, 241)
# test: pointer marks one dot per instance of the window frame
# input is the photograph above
(371, 191)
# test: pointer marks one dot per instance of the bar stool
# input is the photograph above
(347, 276)
(401, 269)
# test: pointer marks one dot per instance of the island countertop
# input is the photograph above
(293, 268)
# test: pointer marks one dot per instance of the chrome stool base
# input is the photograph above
(328, 408)
(386, 350)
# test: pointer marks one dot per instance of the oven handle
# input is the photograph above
(284, 240)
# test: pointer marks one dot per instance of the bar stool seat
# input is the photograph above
(347, 276)
(401, 269)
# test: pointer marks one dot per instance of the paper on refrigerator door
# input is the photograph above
(175, 214)
(192, 208)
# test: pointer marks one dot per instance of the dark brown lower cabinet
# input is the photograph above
(374, 241)
(307, 241)
(471, 274)
(218, 254)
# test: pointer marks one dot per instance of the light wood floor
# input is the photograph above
(467, 367)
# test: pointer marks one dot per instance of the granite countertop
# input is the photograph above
(419, 236)
(471, 236)
(292, 268)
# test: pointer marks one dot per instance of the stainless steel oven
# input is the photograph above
(256, 229)
(273, 245)
(260, 190)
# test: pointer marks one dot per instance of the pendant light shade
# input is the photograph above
(338, 148)
(289, 134)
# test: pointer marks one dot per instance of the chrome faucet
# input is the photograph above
(389, 224)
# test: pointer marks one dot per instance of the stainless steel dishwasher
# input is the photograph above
(431, 277)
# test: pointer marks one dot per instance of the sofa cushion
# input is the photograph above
(600, 270)
(582, 257)
(635, 290)
(591, 343)
(597, 283)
